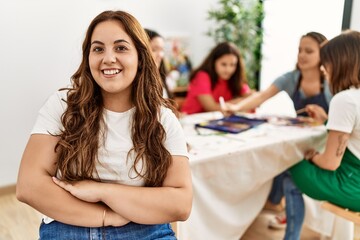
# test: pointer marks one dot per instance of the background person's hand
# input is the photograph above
(229, 108)
(316, 112)
(309, 154)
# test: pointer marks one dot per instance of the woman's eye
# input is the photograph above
(121, 48)
(97, 49)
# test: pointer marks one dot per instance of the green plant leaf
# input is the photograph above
(239, 21)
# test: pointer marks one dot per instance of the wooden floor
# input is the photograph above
(259, 230)
(18, 221)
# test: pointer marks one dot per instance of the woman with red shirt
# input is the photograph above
(222, 74)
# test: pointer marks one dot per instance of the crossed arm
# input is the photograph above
(83, 203)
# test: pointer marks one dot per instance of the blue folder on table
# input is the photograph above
(231, 124)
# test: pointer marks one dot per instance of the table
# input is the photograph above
(232, 173)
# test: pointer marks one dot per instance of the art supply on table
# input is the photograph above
(300, 110)
(222, 103)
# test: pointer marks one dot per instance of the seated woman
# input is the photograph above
(222, 74)
(334, 175)
(304, 85)
(157, 45)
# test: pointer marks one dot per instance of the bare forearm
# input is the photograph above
(335, 147)
(236, 100)
(251, 102)
(148, 205)
(212, 107)
(35, 187)
(43, 195)
(319, 160)
(257, 98)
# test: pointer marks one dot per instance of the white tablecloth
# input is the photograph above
(232, 173)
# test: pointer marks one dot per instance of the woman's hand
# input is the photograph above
(229, 108)
(316, 112)
(85, 190)
(309, 154)
(111, 218)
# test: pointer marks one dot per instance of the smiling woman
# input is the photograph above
(113, 61)
(108, 151)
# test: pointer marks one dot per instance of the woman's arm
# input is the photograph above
(145, 205)
(245, 95)
(253, 101)
(208, 103)
(334, 151)
(36, 188)
(171, 202)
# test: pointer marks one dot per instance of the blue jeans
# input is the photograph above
(277, 189)
(131, 231)
(283, 185)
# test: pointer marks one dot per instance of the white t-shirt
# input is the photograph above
(344, 116)
(113, 165)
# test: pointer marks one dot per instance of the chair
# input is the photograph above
(344, 213)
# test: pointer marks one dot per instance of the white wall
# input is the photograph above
(355, 16)
(41, 46)
(41, 39)
(285, 22)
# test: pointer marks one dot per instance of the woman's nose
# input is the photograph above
(109, 57)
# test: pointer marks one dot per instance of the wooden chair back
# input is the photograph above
(342, 212)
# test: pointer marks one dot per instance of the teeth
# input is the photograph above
(111, 72)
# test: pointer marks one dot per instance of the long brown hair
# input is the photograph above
(208, 65)
(83, 121)
(342, 55)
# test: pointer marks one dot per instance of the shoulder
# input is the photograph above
(343, 110)
(202, 75)
(169, 120)
(58, 95)
(292, 76)
(345, 102)
(289, 79)
(347, 97)
(175, 141)
(166, 114)
(49, 117)
(245, 88)
(200, 82)
(57, 101)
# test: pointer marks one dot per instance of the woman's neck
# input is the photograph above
(310, 75)
(310, 82)
(117, 103)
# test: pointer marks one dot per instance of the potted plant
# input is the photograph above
(239, 21)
